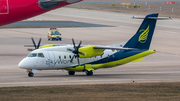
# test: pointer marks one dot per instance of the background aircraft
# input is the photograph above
(16, 10)
(87, 58)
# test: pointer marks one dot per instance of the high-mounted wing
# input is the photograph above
(113, 48)
(92, 51)
(41, 46)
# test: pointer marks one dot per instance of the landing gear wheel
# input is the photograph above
(71, 72)
(30, 74)
(89, 73)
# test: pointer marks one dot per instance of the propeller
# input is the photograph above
(76, 51)
(35, 46)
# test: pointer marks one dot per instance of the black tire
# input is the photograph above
(48, 39)
(89, 73)
(30, 74)
(60, 39)
(71, 72)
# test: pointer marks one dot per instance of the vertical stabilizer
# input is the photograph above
(142, 38)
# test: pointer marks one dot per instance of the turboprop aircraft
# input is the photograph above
(87, 58)
(16, 10)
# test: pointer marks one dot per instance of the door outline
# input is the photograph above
(51, 58)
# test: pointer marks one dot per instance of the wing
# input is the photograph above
(113, 48)
(92, 51)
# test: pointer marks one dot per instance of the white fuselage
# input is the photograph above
(56, 58)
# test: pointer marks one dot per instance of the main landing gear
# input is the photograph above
(30, 74)
(71, 72)
(89, 73)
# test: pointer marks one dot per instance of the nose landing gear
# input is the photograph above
(30, 74)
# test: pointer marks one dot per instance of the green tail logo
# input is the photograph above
(144, 35)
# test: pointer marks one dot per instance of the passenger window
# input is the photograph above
(40, 55)
(32, 55)
(59, 57)
(64, 57)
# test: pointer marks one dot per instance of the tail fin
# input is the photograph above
(142, 38)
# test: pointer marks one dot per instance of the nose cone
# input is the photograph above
(22, 64)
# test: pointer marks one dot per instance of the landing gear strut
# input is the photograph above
(89, 73)
(30, 74)
(71, 72)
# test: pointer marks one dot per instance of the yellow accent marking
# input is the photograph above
(144, 35)
(89, 51)
(137, 60)
(88, 67)
(114, 63)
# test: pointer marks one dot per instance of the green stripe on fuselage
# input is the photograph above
(114, 63)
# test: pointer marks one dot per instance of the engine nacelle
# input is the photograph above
(89, 52)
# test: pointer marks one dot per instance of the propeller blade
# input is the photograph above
(76, 51)
(79, 45)
(72, 58)
(30, 49)
(70, 50)
(33, 42)
(73, 43)
(38, 43)
(78, 61)
(81, 53)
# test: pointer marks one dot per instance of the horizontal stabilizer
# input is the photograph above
(155, 18)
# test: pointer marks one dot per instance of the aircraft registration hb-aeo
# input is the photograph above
(87, 58)
(16, 10)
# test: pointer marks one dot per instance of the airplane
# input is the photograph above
(87, 58)
(17, 10)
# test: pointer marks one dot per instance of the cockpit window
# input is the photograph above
(32, 55)
(40, 55)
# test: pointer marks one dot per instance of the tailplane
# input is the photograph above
(142, 38)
